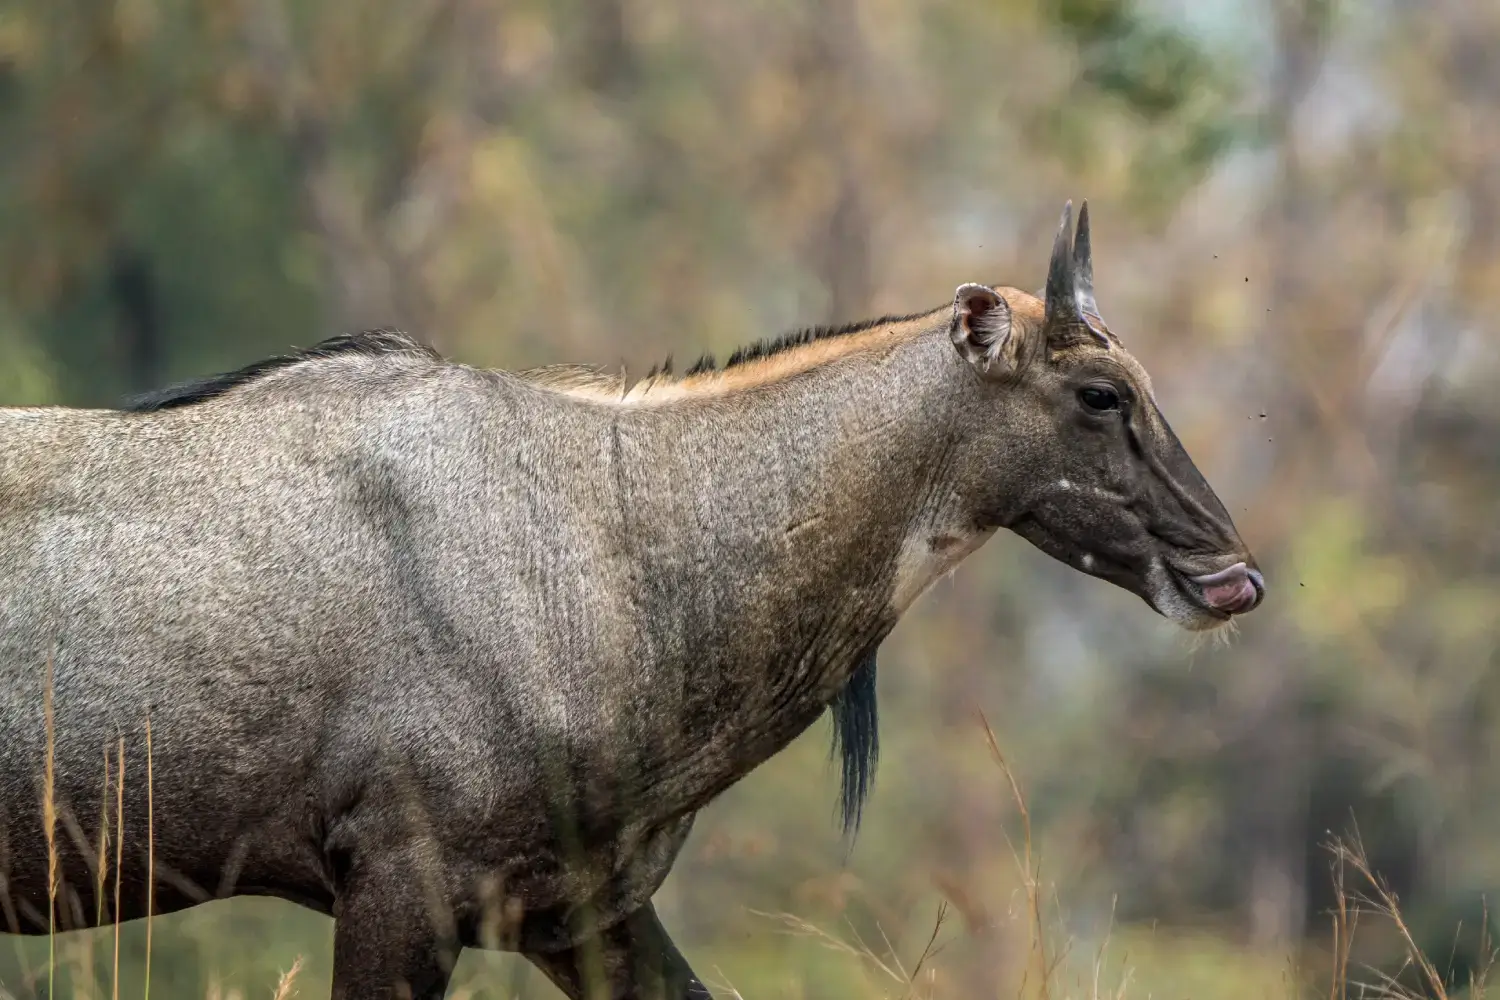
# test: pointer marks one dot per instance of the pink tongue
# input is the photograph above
(1228, 595)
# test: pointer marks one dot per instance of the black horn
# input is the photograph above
(1062, 302)
(1083, 264)
(1083, 277)
(1070, 283)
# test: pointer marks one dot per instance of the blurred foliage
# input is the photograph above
(1297, 229)
(1171, 101)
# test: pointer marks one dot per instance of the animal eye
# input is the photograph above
(1099, 398)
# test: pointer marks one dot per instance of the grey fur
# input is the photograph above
(456, 655)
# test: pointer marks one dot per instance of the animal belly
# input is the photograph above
(86, 873)
(89, 806)
(600, 886)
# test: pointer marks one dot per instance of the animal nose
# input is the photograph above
(1234, 591)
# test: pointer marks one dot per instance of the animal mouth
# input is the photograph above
(1232, 591)
(1221, 595)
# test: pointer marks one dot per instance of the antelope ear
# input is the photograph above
(982, 329)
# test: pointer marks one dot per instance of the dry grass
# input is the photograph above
(285, 986)
(1039, 978)
(49, 822)
(150, 854)
(1376, 897)
(115, 776)
(1040, 974)
(119, 858)
(908, 980)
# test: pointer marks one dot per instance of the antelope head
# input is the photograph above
(1092, 473)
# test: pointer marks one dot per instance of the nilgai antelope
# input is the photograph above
(456, 655)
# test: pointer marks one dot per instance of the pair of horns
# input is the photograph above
(1070, 276)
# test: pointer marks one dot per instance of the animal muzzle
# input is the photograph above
(1233, 591)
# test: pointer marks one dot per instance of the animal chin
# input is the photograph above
(1029, 528)
(1092, 564)
(1173, 595)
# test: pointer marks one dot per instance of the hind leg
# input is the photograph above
(633, 960)
(387, 942)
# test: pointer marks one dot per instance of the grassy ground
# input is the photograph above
(274, 950)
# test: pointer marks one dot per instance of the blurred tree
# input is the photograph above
(1295, 228)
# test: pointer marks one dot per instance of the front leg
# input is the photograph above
(388, 944)
(633, 960)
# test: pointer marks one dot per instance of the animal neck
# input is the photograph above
(790, 526)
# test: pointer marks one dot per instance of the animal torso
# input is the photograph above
(433, 605)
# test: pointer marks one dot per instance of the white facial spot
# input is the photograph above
(1088, 561)
(1063, 484)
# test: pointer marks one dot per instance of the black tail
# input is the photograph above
(856, 740)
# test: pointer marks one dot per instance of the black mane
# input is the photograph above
(787, 341)
(379, 342)
(855, 711)
(368, 342)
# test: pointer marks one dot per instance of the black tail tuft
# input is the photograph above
(856, 741)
